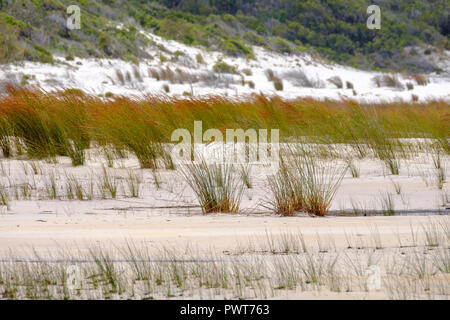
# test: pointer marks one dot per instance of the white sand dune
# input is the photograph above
(99, 76)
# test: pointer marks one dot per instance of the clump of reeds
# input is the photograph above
(245, 172)
(304, 183)
(137, 74)
(6, 138)
(384, 146)
(388, 80)
(218, 187)
(173, 76)
(299, 78)
(47, 125)
(387, 204)
(134, 181)
(278, 84)
(320, 180)
(337, 81)
(270, 74)
(51, 185)
(4, 196)
(108, 184)
(132, 128)
(286, 191)
(349, 85)
(74, 188)
(440, 177)
(420, 79)
(272, 77)
(120, 77)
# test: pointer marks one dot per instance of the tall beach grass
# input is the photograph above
(66, 122)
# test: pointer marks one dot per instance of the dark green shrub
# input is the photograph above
(223, 67)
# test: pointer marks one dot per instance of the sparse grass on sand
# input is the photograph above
(274, 264)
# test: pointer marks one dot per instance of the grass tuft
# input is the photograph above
(218, 187)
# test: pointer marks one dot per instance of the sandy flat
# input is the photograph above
(219, 231)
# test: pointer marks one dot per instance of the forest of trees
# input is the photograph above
(335, 28)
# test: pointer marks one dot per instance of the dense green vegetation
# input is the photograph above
(335, 28)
